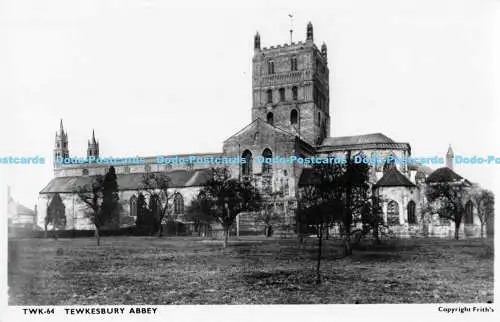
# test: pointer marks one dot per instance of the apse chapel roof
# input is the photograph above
(130, 181)
(394, 178)
(445, 174)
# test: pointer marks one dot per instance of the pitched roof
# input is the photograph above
(444, 174)
(394, 178)
(357, 139)
(131, 181)
(259, 122)
(16, 209)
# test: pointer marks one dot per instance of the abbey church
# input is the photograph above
(290, 116)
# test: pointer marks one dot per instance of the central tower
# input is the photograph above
(290, 87)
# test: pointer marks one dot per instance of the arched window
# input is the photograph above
(270, 118)
(269, 96)
(270, 67)
(295, 93)
(392, 213)
(133, 206)
(294, 116)
(282, 94)
(178, 204)
(469, 208)
(246, 166)
(293, 63)
(410, 208)
(267, 168)
(389, 163)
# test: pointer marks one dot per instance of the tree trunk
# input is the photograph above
(226, 236)
(376, 239)
(320, 238)
(45, 234)
(54, 235)
(97, 236)
(347, 241)
(300, 238)
(482, 230)
(160, 234)
(457, 228)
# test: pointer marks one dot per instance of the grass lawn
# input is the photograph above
(150, 270)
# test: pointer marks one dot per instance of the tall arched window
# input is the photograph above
(295, 93)
(178, 204)
(392, 213)
(294, 116)
(246, 166)
(410, 208)
(269, 96)
(270, 118)
(267, 168)
(293, 63)
(282, 94)
(133, 206)
(270, 67)
(469, 208)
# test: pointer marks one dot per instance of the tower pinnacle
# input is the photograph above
(93, 146)
(310, 32)
(449, 157)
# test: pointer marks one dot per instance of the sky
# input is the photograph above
(156, 77)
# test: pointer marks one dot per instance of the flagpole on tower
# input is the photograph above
(291, 27)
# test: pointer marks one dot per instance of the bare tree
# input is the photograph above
(269, 213)
(100, 198)
(447, 199)
(319, 206)
(157, 185)
(485, 202)
(224, 198)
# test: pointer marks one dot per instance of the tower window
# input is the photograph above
(294, 115)
(267, 166)
(293, 63)
(270, 118)
(282, 94)
(269, 96)
(246, 166)
(270, 67)
(294, 93)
